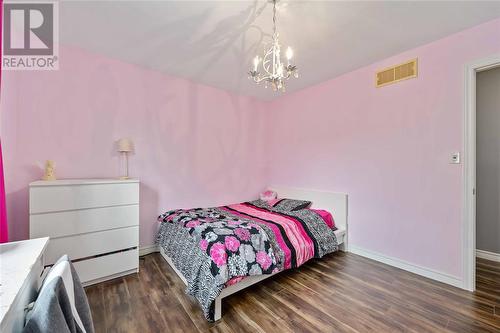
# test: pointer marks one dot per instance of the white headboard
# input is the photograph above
(335, 203)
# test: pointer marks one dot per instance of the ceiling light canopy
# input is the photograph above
(273, 69)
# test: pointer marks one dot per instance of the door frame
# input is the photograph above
(469, 205)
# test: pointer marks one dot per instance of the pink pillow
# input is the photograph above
(268, 195)
(326, 216)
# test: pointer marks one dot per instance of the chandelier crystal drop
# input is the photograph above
(274, 70)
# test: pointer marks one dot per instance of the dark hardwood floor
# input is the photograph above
(339, 293)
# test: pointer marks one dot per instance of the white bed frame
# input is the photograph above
(336, 203)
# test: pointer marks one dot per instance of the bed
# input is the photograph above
(211, 276)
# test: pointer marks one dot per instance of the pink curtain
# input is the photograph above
(4, 231)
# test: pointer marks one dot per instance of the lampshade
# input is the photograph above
(125, 145)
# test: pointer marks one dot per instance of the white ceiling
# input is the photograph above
(213, 42)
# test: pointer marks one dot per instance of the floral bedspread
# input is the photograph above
(235, 247)
(216, 247)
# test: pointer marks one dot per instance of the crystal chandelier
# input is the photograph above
(274, 70)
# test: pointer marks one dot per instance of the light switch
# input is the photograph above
(455, 158)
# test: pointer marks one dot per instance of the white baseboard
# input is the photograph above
(143, 250)
(428, 273)
(488, 255)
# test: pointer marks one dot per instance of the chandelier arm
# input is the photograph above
(267, 63)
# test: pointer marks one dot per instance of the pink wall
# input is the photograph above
(388, 148)
(195, 145)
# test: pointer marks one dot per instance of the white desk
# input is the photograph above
(21, 267)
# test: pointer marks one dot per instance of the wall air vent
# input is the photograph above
(407, 70)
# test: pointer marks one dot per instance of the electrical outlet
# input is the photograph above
(455, 158)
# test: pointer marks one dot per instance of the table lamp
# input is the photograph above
(125, 146)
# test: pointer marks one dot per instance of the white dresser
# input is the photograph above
(94, 221)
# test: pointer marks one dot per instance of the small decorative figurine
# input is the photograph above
(49, 171)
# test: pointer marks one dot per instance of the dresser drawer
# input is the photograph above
(86, 245)
(107, 267)
(83, 221)
(45, 199)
